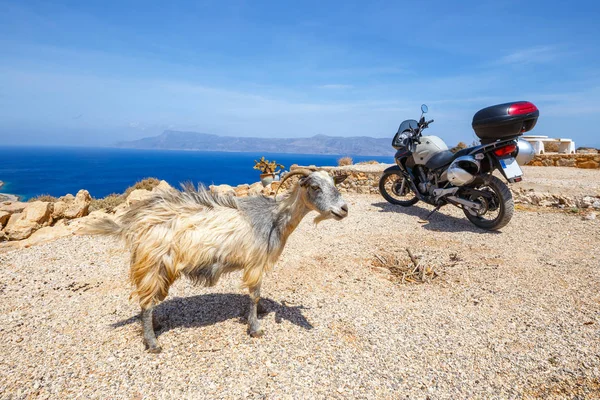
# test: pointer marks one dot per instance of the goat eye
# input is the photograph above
(315, 187)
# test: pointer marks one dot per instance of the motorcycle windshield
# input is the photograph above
(406, 125)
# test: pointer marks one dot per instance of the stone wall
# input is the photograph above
(567, 160)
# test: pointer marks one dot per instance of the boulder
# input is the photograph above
(59, 210)
(67, 198)
(14, 207)
(11, 221)
(163, 186)
(39, 212)
(590, 164)
(4, 217)
(46, 234)
(255, 189)
(77, 226)
(33, 217)
(137, 195)
(80, 205)
(222, 189)
(242, 190)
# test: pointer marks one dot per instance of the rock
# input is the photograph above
(137, 195)
(590, 216)
(4, 217)
(255, 189)
(46, 234)
(242, 190)
(33, 217)
(80, 205)
(596, 204)
(14, 207)
(11, 221)
(120, 209)
(76, 225)
(565, 162)
(59, 210)
(21, 229)
(39, 212)
(222, 189)
(588, 164)
(67, 198)
(268, 191)
(163, 186)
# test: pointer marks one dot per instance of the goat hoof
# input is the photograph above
(257, 334)
(155, 349)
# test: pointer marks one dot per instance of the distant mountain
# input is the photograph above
(319, 144)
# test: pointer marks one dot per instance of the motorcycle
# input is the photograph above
(426, 170)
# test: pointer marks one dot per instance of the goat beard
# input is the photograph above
(320, 218)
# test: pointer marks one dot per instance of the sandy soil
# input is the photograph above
(514, 314)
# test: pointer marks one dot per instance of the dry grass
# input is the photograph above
(405, 267)
(107, 203)
(458, 147)
(370, 162)
(43, 197)
(551, 147)
(146, 183)
(344, 161)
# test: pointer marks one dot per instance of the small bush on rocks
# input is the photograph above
(370, 162)
(43, 197)
(146, 183)
(344, 161)
(458, 147)
(109, 202)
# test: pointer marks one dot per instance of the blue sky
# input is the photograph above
(93, 73)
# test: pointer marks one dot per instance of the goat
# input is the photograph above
(202, 236)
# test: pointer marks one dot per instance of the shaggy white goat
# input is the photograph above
(203, 235)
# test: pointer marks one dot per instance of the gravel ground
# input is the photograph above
(514, 314)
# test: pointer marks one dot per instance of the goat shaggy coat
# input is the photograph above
(203, 235)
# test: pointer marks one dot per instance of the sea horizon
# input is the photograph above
(30, 171)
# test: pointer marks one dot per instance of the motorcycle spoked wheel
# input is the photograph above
(390, 187)
(497, 205)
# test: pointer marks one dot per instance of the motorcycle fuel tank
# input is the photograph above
(429, 146)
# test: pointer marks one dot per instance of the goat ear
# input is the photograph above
(339, 179)
(304, 181)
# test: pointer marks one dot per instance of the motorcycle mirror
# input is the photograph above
(424, 108)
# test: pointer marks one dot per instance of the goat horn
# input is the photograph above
(301, 171)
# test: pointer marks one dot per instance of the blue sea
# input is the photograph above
(31, 171)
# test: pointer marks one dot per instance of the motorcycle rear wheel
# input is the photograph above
(502, 203)
(390, 185)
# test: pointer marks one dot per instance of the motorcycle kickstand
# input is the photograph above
(434, 210)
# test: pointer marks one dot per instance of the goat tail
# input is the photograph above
(102, 226)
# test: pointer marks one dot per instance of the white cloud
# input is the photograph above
(533, 55)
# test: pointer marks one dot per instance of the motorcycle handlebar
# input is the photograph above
(429, 122)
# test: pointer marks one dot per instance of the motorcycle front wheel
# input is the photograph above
(497, 206)
(394, 187)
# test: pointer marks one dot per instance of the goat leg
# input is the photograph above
(149, 336)
(253, 324)
(261, 309)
